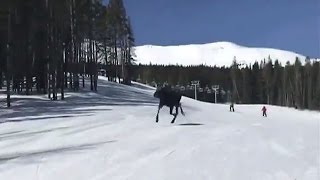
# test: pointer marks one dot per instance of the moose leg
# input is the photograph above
(175, 115)
(157, 118)
(171, 109)
(181, 109)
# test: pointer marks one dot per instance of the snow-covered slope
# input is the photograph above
(113, 135)
(218, 53)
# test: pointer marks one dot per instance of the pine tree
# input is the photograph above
(267, 76)
(234, 77)
(246, 92)
(276, 84)
(316, 85)
(256, 84)
(298, 84)
(308, 84)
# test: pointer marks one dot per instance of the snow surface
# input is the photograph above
(113, 135)
(211, 54)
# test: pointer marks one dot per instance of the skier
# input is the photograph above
(264, 111)
(232, 107)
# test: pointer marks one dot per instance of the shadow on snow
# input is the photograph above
(58, 150)
(84, 103)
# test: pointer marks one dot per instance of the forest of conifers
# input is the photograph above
(47, 46)
(294, 85)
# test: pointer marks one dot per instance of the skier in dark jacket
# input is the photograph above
(264, 111)
(232, 107)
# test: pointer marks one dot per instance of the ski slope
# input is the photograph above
(113, 135)
(211, 54)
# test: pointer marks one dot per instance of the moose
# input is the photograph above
(168, 98)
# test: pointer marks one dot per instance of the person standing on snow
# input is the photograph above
(264, 111)
(232, 107)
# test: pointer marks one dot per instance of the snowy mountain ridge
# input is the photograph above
(211, 54)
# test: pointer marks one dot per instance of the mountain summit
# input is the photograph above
(212, 54)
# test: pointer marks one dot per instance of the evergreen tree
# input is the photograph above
(267, 76)
(298, 84)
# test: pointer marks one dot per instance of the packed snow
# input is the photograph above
(112, 135)
(211, 54)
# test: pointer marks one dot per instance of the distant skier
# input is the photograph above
(232, 107)
(264, 111)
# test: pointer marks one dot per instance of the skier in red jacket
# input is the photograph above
(264, 111)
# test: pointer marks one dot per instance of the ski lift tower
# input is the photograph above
(195, 84)
(215, 89)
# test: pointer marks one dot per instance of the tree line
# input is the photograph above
(264, 82)
(48, 46)
(294, 85)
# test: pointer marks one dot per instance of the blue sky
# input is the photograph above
(284, 24)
